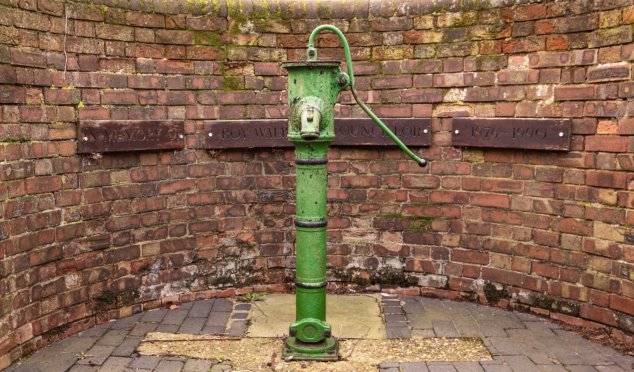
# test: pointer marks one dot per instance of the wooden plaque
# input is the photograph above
(130, 135)
(512, 133)
(348, 132)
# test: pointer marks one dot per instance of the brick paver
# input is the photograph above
(518, 342)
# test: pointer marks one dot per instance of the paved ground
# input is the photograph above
(271, 317)
(518, 342)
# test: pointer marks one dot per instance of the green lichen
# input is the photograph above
(231, 83)
(17, 139)
(207, 38)
(415, 223)
(260, 19)
(420, 223)
(199, 6)
(391, 215)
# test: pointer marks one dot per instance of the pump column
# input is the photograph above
(312, 92)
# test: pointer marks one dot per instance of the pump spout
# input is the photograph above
(310, 119)
(306, 117)
(311, 54)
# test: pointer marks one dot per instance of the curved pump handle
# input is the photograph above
(311, 54)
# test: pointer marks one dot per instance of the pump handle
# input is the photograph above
(312, 56)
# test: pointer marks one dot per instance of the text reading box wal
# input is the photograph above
(130, 135)
(348, 132)
(512, 133)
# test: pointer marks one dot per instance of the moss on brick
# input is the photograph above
(17, 139)
(207, 38)
(494, 293)
(230, 83)
(392, 277)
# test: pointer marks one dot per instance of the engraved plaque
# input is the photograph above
(348, 132)
(130, 135)
(512, 133)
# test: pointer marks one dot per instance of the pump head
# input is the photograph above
(347, 80)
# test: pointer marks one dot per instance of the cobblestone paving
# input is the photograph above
(518, 342)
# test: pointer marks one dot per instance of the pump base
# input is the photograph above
(326, 350)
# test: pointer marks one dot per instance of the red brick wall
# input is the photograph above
(88, 238)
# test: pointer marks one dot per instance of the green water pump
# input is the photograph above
(313, 87)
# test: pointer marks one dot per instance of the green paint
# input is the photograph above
(313, 87)
(312, 93)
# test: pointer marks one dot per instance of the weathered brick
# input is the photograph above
(13, 94)
(587, 22)
(174, 67)
(43, 184)
(27, 58)
(114, 32)
(174, 37)
(611, 36)
(145, 19)
(422, 95)
(606, 179)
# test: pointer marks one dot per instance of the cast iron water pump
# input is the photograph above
(313, 87)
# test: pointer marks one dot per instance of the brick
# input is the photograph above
(176, 98)
(501, 276)
(422, 96)
(114, 32)
(392, 82)
(606, 143)
(545, 270)
(575, 93)
(448, 197)
(622, 304)
(119, 97)
(611, 36)
(598, 314)
(395, 52)
(530, 12)
(26, 58)
(145, 19)
(174, 67)
(575, 227)
(607, 179)
(491, 200)
(609, 72)
(12, 94)
(174, 37)
(587, 22)
(43, 184)
(422, 37)
(469, 256)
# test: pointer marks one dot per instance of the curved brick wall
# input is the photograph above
(87, 238)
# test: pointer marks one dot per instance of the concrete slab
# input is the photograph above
(349, 316)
